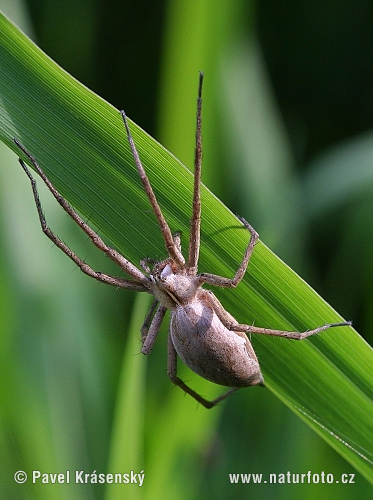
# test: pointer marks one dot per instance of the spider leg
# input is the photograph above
(195, 223)
(141, 283)
(148, 261)
(172, 373)
(148, 319)
(150, 328)
(231, 324)
(215, 280)
(172, 249)
(289, 335)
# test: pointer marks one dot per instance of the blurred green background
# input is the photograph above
(287, 144)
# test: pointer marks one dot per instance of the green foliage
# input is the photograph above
(80, 142)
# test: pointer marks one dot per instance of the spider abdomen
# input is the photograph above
(212, 351)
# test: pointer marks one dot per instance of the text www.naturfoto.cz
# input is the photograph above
(292, 478)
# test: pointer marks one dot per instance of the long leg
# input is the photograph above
(195, 223)
(213, 279)
(149, 333)
(231, 324)
(142, 280)
(154, 318)
(172, 373)
(172, 249)
(289, 335)
(148, 319)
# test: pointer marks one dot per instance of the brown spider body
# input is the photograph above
(204, 335)
(200, 338)
(209, 348)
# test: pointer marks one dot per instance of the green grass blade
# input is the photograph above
(80, 142)
(126, 446)
(340, 174)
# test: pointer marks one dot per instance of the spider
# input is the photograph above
(202, 333)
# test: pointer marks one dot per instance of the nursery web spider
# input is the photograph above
(204, 335)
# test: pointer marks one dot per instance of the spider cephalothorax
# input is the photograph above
(204, 335)
(176, 283)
